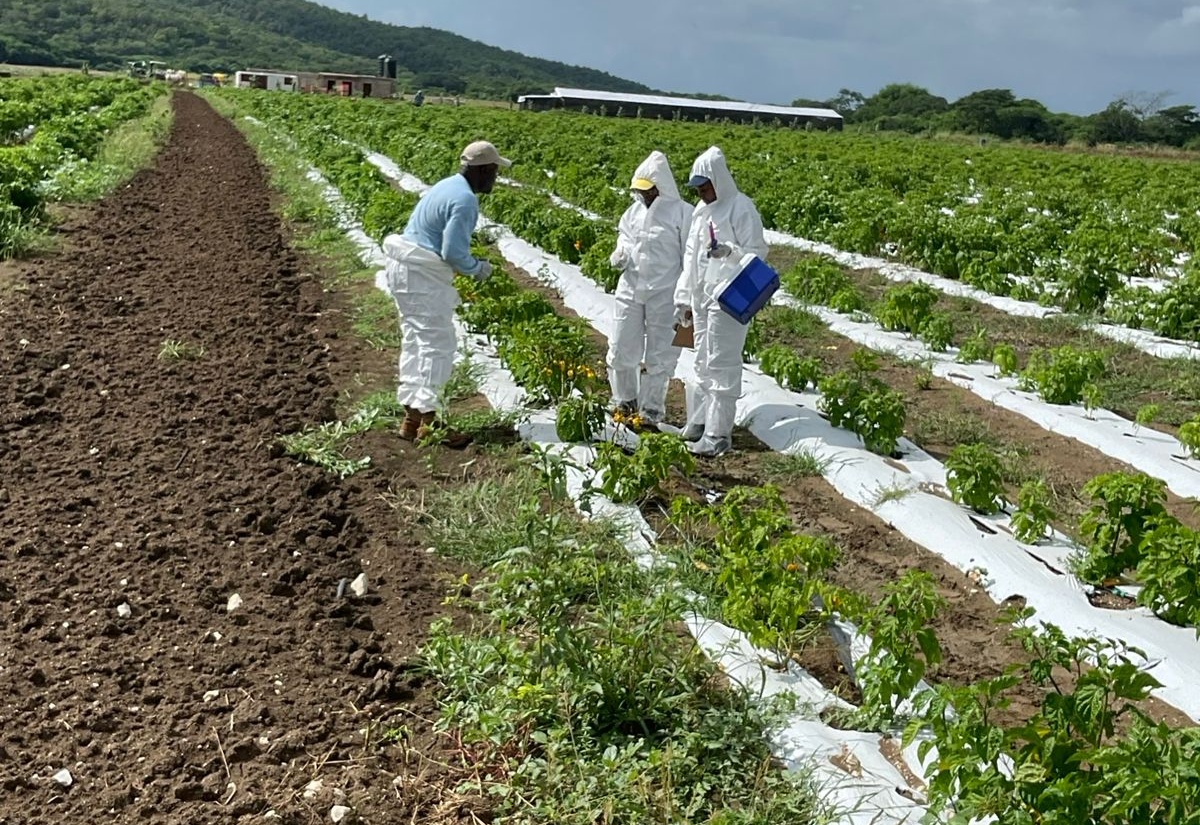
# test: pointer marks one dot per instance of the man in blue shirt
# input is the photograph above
(422, 261)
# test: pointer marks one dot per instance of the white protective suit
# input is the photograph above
(422, 285)
(719, 338)
(650, 246)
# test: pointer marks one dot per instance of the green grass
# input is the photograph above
(776, 322)
(464, 380)
(375, 321)
(23, 237)
(1171, 383)
(574, 691)
(951, 429)
(895, 492)
(131, 146)
(172, 350)
(324, 445)
(781, 467)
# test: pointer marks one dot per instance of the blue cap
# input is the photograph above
(696, 181)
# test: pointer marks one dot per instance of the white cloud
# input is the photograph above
(1074, 55)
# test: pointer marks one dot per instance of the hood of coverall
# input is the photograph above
(711, 164)
(656, 169)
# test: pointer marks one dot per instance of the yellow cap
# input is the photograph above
(642, 184)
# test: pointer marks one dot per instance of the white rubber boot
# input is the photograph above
(718, 428)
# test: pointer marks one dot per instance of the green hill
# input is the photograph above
(224, 35)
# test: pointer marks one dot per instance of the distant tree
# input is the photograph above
(279, 34)
(809, 103)
(440, 80)
(1145, 104)
(1172, 126)
(1116, 124)
(1029, 119)
(701, 96)
(979, 112)
(901, 99)
(847, 102)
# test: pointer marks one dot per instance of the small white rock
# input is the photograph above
(313, 788)
(235, 601)
(272, 814)
(210, 695)
(338, 813)
(359, 586)
(64, 778)
(124, 610)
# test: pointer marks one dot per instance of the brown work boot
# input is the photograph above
(411, 424)
(449, 438)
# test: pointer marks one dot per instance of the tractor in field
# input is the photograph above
(147, 70)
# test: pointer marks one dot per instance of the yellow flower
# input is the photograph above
(578, 245)
(793, 567)
(570, 373)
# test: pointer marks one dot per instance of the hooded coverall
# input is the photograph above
(420, 274)
(650, 246)
(719, 338)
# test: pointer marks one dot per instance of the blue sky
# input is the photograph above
(1073, 55)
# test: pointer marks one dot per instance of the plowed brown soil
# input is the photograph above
(126, 479)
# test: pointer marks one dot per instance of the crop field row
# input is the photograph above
(1075, 750)
(1086, 233)
(50, 127)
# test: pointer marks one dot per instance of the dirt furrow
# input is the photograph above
(133, 478)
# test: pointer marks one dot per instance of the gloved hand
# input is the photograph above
(620, 258)
(721, 250)
(485, 271)
(683, 315)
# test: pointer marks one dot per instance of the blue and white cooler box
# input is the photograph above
(750, 289)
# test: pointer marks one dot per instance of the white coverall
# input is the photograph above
(719, 338)
(650, 245)
(422, 284)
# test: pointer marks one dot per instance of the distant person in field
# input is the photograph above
(651, 238)
(422, 261)
(725, 226)
(419, 97)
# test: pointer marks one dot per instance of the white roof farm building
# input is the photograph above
(679, 108)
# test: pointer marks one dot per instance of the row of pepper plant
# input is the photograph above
(1088, 754)
(1059, 228)
(47, 124)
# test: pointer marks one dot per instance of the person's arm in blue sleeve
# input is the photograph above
(456, 238)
